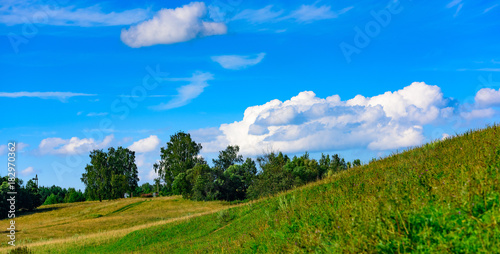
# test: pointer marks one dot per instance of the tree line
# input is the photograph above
(182, 171)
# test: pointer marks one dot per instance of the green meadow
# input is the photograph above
(442, 197)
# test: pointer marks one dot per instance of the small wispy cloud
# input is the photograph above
(458, 10)
(453, 3)
(97, 114)
(148, 96)
(185, 94)
(27, 171)
(481, 69)
(62, 96)
(304, 14)
(238, 62)
(265, 14)
(490, 8)
(22, 12)
(309, 13)
(20, 146)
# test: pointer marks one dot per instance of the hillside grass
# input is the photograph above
(60, 222)
(442, 197)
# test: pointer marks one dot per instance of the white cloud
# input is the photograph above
(418, 102)
(146, 170)
(487, 97)
(236, 62)
(265, 14)
(490, 8)
(22, 12)
(97, 114)
(445, 136)
(145, 145)
(458, 10)
(453, 3)
(20, 146)
(186, 93)
(151, 175)
(74, 145)
(478, 113)
(62, 96)
(308, 123)
(304, 14)
(140, 160)
(172, 26)
(308, 13)
(27, 171)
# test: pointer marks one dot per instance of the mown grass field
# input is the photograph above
(443, 197)
(99, 220)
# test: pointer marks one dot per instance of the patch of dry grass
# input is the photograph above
(102, 220)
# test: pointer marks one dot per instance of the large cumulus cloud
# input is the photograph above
(308, 123)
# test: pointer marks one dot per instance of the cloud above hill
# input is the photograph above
(308, 123)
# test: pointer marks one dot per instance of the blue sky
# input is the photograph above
(359, 78)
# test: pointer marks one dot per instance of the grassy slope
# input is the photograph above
(441, 197)
(53, 223)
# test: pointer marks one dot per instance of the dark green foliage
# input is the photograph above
(53, 199)
(279, 173)
(272, 178)
(334, 164)
(145, 188)
(181, 186)
(356, 163)
(27, 197)
(45, 192)
(228, 157)
(56, 195)
(74, 196)
(305, 170)
(180, 155)
(21, 250)
(237, 179)
(110, 175)
(202, 180)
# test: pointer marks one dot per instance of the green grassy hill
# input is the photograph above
(441, 197)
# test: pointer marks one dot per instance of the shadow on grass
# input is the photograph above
(37, 210)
